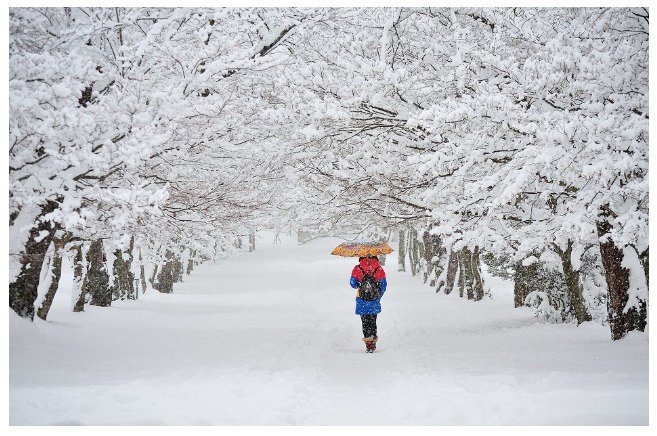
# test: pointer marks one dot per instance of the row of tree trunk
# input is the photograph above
(23, 291)
(466, 265)
(35, 287)
(424, 255)
(622, 318)
(252, 242)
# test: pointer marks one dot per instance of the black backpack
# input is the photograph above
(370, 289)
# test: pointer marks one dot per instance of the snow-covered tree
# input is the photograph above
(487, 125)
(146, 140)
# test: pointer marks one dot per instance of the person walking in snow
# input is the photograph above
(370, 280)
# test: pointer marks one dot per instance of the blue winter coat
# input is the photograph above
(369, 265)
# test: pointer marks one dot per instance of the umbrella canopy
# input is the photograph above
(362, 248)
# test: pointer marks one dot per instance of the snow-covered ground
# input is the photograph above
(271, 338)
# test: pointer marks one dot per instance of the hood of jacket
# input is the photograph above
(369, 265)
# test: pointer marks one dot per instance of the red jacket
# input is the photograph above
(368, 265)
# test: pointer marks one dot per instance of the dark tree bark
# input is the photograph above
(142, 272)
(427, 255)
(252, 241)
(13, 215)
(438, 259)
(55, 270)
(154, 276)
(132, 289)
(123, 286)
(178, 270)
(190, 262)
(118, 285)
(643, 258)
(476, 273)
(167, 275)
(414, 252)
(452, 270)
(98, 279)
(465, 265)
(23, 291)
(461, 280)
(401, 252)
(79, 280)
(621, 322)
(522, 282)
(573, 285)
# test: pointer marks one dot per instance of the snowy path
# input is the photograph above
(271, 338)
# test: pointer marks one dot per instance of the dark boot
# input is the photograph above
(370, 344)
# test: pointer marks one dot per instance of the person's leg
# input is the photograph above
(369, 325)
(369, 332)
(363, 318)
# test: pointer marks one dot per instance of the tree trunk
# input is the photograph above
(401, 251)
(123, 285)
(465, 264)
(413, 251)
(521, 282)
(98, 279)
(23, 291)
(419, 255)
(54, 271)
(190, 262)
(252, 241)
(643, 257)
(382, 257)
(427, 255)
(621, 321)
(154, 276)
(142, 271)
(452, 269)
(117, 285)
(132, 289)
(476, 274)
(79, 279)
(167, 275)
(178, 271)
(440, 263)
(573, 285)
(461, 278)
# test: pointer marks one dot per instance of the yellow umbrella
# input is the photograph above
(362, 248)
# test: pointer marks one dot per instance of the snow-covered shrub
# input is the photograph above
(595, 288)
(498, 265)
(549, 295)
(548, 307)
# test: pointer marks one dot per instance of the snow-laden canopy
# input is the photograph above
(521, 131)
